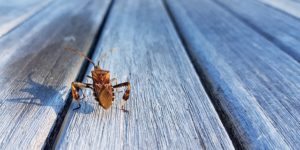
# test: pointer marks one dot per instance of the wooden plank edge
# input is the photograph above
(64, 117)
(287, 6)
(207, 85)
(70, 113)
(285, 48)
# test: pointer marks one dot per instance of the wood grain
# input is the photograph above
(280, 28)
(289, 6)
(253, 83)
(168, 107)
(36, 72)
(14, 12)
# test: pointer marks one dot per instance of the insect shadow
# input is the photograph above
(46, 95)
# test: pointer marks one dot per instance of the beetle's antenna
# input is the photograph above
(80, 54)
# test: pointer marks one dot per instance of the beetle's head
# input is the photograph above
(97, 66)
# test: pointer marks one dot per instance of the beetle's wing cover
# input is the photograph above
(104, 95)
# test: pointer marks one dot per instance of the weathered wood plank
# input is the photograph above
(168, 107)
(14, 12)
(35, 71)
(278, 27)
(288, 6)
(254, 84)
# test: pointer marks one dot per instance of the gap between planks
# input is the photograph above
(31, 99)
(94, 130)
(205, 82)
(252, 118)
(281, 29)
(63, 120)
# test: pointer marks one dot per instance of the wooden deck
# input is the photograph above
(205, 74)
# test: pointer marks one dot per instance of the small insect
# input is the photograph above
(102, 87)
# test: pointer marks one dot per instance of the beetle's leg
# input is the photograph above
(76, 86)
(114, 80)
(127, 91)
(124, 110)
(89, 76)
(89, 85)
(79, 105)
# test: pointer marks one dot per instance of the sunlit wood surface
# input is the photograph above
(205, 74)
(15, 12)
(35, 70)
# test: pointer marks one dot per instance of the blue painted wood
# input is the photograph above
(14, 12)
(36, 71)
(280, 28)
(254, 84)
(291, 7)
(168, 107)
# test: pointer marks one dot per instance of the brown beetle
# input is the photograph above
(103, 90)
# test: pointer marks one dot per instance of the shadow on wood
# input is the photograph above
(41, 95)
